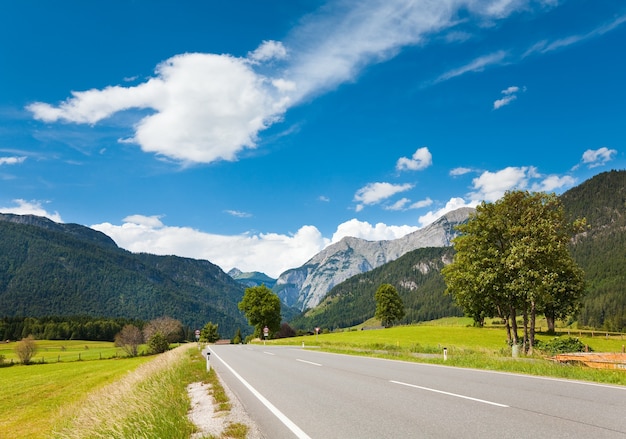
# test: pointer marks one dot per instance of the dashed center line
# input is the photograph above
(308, 362)
(449, 394)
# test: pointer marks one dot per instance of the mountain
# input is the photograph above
(252, 279)
(417, 277)
(601, 251)
(306, 286)
(67, 269)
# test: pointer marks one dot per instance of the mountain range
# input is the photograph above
(51, 269)
(305, 287)
(48, 269)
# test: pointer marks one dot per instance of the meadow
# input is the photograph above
(465, 346)
(120, 397)
(111, 398)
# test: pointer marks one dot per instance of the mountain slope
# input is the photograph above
(601, 251)
(58, 269)
(306, 286)
(252, 279)
(416, 275)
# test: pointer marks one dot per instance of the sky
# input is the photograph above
(254, 134)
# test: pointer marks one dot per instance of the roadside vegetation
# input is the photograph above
(466, 346)
(127, 397)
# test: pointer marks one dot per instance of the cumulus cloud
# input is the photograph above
(364, 230)
(24, 207)
(510, 94)
(460, 171)
(207, 107)
(490, 186)
(553, 182)
(452, 204)
(598, 157)
(374, 193)
(421, 159)
(11, 160)
(270, 253)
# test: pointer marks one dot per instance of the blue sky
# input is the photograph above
(253, 134)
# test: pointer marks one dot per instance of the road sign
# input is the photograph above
(266, 331)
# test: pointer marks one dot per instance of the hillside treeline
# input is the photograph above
(64, 328)
(417, 278)
(601, 251)
(49, 272)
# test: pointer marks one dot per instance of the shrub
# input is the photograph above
(158, 344)
(25, 349)
(562, 345)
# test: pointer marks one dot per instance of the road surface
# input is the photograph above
(297, 393)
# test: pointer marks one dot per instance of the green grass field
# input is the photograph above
(466, 346)
(34, 397)
(54, 351)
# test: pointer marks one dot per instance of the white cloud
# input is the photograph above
(490, 186)
(270, 253)
(421, 159)
(552, 182)
(545, 46)
(374, 193)
(452, 204)
(364, 230)
(11, 160)
(268, 50)
(460, 171)
(208, 107)
(477, 65)
(238, 214)
(598, 157)
(31, 208)
(510, 94)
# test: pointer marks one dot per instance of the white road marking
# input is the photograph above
(269, 353)
(308, 362)
(271, 407)
(449, 394)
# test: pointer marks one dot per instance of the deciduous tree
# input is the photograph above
(209, 333)
(262, 308)
(25, 349)
(389, 306)
(512, 258)
(129, 339)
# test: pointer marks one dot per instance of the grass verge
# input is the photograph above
(149, 402)
(466, 346)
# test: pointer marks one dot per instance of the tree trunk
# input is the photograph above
(533, 315)
(525, 344)
(550, 320)
(513, 317)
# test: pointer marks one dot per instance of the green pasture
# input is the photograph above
(466, 346)
(34, 396)
(54, 351)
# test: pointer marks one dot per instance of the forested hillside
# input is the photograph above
(601, 252)
(416, 276)
(46, 271)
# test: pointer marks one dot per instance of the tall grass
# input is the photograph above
(32, 397)
(149, 402)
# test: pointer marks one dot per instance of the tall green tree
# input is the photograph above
(262, 308)
(209, 333)
(389, 306)
(512, 259)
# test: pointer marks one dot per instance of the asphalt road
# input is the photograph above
(297, 393)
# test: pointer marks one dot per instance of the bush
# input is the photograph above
(561, 345)
(25, 349)
(158, 344)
